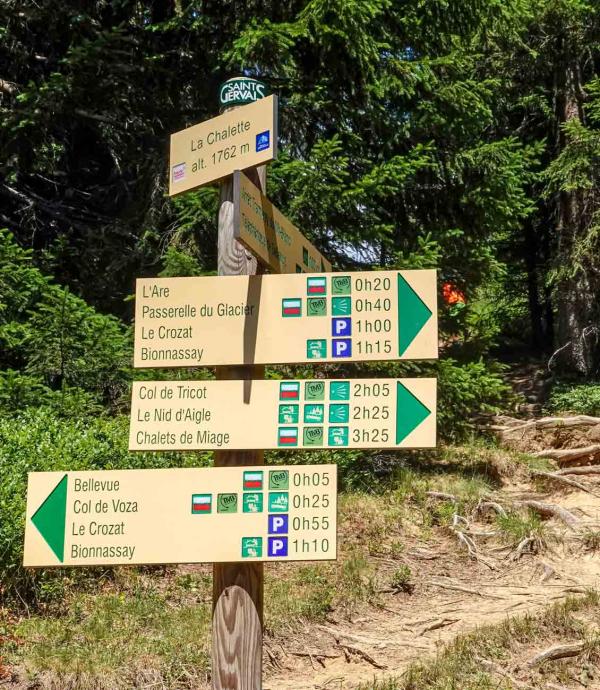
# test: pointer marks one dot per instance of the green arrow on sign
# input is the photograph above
(49, 518)
(413, 314)
(410, 412)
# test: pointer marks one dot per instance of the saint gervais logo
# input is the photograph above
(241, 90)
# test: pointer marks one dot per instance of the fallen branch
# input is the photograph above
(551, 510)
(437, 624)
(362, 654)
(316, 655)
(559, 651)
(567, 455)
(423, 555)
(564, 480)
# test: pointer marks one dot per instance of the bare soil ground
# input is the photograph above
(453, 594)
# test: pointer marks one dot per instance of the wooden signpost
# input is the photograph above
(240, 513)
(268, 234)
(272, 319)
(311, 414)
(127, 517)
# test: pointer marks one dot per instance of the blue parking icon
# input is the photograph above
(341, 347)
(341, 328)
(278, 546)
(278, 524)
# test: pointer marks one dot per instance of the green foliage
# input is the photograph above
(466, 390)
(582, 398)
(53, 341)
(39, 441)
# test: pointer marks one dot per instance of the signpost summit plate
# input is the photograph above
(241, 138)
(269, 235)
(310, 414)
(280, 319)
(222, 514)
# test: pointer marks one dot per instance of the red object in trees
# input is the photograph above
(452, 295)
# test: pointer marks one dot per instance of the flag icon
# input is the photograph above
(289, 391)
(253, 480)
(316, 286)
(201, 503)
(291, 307)
(288, 436)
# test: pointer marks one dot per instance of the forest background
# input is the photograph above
(462, 135)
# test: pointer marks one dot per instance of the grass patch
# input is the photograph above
(116, 640)
(516, 526)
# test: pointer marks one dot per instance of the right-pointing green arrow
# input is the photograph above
(50, 517)
(410, 412)
(413, 314)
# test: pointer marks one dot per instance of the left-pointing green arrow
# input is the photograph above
(410, 412)
(50, 518)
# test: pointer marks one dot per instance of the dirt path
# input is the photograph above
(453, 595)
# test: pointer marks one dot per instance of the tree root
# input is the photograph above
(564, 456)
(559, 651)
(550, 422)
(564, 480)
(551, 510)
(482, 506)
(467, 541)
(577, 470)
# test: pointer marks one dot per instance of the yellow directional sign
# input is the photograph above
(241, 138)
(312, 414)
(269, 235)
(222, 514)
(275, 319)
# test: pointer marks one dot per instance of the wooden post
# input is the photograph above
(237, 626)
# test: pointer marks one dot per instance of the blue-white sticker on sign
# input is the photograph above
(263, 140)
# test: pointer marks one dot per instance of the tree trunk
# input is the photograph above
(578, 290)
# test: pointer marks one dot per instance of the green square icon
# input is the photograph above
(313, 436)
(316, 306)
(227, 503)
(338, 435)
(314, 391)
(314, 414)
(341, 306)
(279, 479)
(253, 503)
(251, 547)
(339, 413)
(279, 501)
(339, 390)
(316, 349)
(341, 285)
(288, 414)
